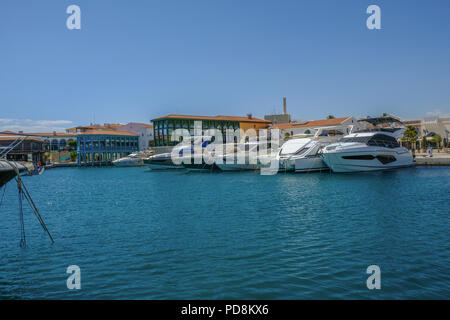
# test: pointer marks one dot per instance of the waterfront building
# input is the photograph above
(428, 127)
(143, 130)
(164, 126)
(31, 149)
(287, 130)
(57, 141)
(101, 147)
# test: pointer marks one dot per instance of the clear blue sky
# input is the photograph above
(136, 60)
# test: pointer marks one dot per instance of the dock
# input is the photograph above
(438, 159)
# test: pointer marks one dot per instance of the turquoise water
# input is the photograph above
(138, 234)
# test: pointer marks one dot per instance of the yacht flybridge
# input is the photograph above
(375, 148)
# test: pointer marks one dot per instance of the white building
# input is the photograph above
(310, 127)
(56, 140)
(145, 132)
(427, 125)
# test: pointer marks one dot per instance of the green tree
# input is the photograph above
(410, 136)
(72, 144)
(331, 116)
(424, 142)
(287, 136)
(384, 114)
(437, 139)
(73, 156)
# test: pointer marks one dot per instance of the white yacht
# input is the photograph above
(132, 160)
(230, 161)
(375, 148)
(301, 153)
(163, 161)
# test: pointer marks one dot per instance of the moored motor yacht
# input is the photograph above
(244, 157)
(181, 153)
(161, 161)
(301, 152)
(375, 148)
(132, 160)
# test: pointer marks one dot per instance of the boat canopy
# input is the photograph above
(380, 120)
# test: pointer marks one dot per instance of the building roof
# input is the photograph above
(311, 123)
(223, 118)
(143, 124)
(53, 134)
(107, 132)
(5, 137)
(97, 126)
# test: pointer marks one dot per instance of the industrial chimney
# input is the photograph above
(284, 106)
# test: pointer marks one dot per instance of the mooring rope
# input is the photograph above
(23, 193)
(3, 195)
(23, 241)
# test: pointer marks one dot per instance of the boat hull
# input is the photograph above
(7, 172)
(135, 162)
(161, 162)
(358, 161)
(237, 167)
(202, 167)
(310, 164)
(6, 176)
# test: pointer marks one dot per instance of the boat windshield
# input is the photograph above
(296, 146)
(380, 140)
(356, 139)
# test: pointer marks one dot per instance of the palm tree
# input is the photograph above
(287, 136)
(410, 136)
(437, 139)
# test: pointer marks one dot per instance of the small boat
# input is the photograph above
(372, 149)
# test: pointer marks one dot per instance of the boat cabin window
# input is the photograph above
(356, 139)
(382, 140)
(331, 133)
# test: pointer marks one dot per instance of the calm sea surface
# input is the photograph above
(138, 234)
